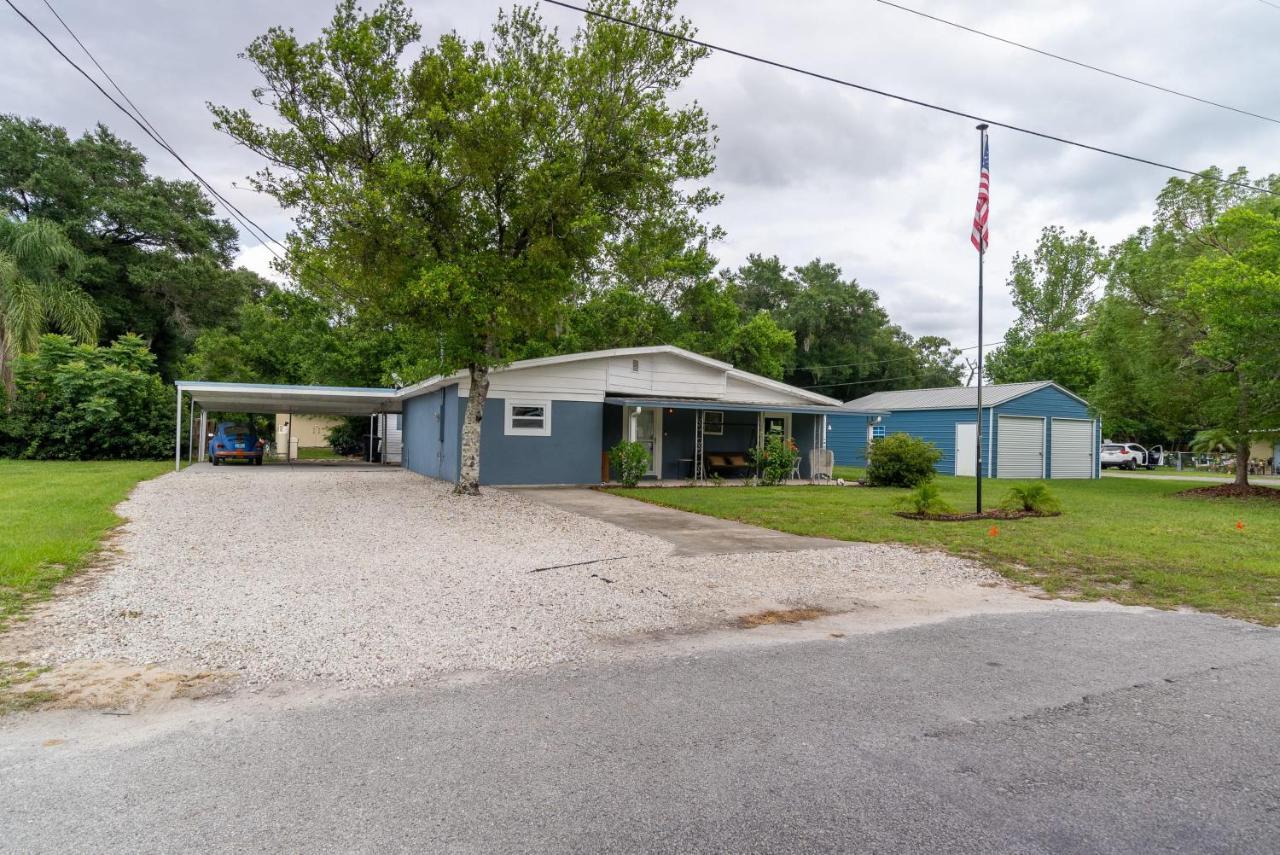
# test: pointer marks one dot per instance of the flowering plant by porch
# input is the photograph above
(775, 460)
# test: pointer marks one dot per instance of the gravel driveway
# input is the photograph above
(366, 577)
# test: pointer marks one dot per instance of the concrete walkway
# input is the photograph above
(692, 534)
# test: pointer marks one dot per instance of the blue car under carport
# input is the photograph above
(235, 441)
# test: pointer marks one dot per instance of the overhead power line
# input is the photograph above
(1269, 3)
(239, 216)
(817, 75)
(1156, 86)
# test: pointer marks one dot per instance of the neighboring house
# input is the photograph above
(304, 429)
(553, 420)
(1030, 430)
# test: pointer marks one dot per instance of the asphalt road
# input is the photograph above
(1074, 731)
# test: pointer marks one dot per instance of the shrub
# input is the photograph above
(926, 498)
(900, 460)
(347, 437)
(775, 461)
(81, 402)
(630, 460)
(1033, 498)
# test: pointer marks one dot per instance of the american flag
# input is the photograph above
(981, 236)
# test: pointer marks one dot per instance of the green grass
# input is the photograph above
(52, 517)
(1128, 540)
(319, 453)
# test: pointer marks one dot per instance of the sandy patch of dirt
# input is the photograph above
(111, 686)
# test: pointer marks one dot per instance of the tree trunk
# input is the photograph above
(469, 471)
(6, 371)
(1244, 444)
(1243, 448)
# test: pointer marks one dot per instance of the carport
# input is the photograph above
(270, 399)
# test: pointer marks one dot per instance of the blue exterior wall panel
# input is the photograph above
(570, 455)
(432, 434)
(939, 427)
(847, 438)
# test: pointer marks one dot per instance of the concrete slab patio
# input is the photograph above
(690, 534)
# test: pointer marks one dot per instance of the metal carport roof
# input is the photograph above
(270, 398)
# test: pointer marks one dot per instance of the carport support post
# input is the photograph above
(177, 430)
(191, 427)
(204, 430)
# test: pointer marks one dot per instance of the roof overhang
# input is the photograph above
(270, 398)
(725, 406)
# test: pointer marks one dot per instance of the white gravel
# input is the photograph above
(374, 577)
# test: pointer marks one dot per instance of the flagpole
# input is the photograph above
(982, 246)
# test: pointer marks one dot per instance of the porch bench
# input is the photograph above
(727, 463)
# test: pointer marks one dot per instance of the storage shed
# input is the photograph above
(1030, 430)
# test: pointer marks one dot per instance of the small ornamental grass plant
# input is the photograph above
(925, 499)
(1034, 498)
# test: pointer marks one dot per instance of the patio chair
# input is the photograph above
(822, 464)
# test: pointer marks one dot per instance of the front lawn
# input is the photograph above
(52, 516)
(1128, 540)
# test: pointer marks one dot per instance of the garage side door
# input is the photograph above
(1072, 449)
(1019, 447)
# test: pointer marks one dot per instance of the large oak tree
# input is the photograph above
(467, 192)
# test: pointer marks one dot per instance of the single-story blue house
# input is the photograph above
(553, 420)
(1029, 430)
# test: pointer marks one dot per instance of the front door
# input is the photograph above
(646, 429)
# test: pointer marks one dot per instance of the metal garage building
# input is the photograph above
(1030, 430)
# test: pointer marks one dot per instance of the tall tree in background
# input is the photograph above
(1053, 293)
(1186, 332)
(156, 260)
(466, 193)
(38, 266)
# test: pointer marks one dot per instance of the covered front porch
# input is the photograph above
(690, 439)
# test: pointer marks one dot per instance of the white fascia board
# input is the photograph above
(779, 386)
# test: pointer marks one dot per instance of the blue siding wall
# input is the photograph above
(939, 427)
(570, 455)
(432, 426)
(847, 439)
(1048, 403)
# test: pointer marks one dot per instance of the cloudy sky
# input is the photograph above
(807, 169)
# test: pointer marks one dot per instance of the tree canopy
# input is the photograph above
(155, 259)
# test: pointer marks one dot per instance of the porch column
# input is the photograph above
(177, 429)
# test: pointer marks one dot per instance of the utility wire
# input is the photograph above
(245, 221)
(817, 75)
(1078, 63)
(1269, 3)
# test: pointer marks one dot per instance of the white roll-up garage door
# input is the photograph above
(1072, 447)
(1019, 447)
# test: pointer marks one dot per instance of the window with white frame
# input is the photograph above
(713, 423)
(528, 418)
(877, 431)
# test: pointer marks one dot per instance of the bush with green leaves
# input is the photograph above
(347, 437)
(775, 460)
(1035, 498)
(900, 460)
(926, 498)
(630, 460)
(81, 402)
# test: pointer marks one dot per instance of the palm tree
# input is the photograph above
(37, 267)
